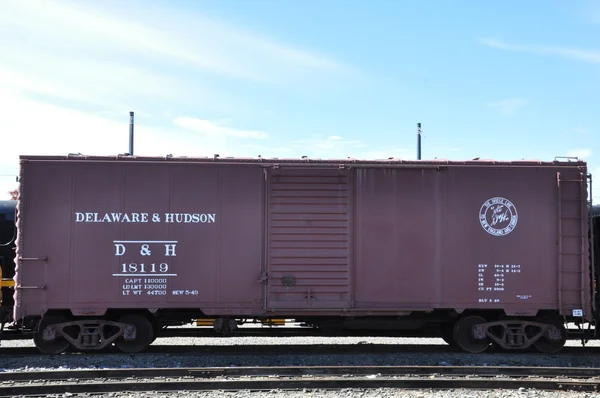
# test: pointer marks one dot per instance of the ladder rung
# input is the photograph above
(571, 236)
(570, 180)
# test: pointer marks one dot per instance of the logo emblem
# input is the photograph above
(498, 216)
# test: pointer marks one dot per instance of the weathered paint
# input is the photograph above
(309, 214)
(351, 237)
(188, 261)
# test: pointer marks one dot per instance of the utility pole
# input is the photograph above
(419, 141)
(131, 133)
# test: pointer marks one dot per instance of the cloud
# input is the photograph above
(216, 129)
(38, 128)
(578, 54)
(89, 32)
(447, 149)
(72, 70)
(329, 147)
(581, 153)
(508, 106)
(327, 143)
(60, 130)
(578, 130)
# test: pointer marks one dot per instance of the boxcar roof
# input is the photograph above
(303, 160)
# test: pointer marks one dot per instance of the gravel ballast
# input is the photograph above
(379, 393)
(394, 357)
(98, 361)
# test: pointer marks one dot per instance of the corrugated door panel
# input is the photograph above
(309, 239)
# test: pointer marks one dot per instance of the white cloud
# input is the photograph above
(216, 129)
(578, 54)
(508, 106)
(447, 149)
(72, 70)
(331, 147)
(89, 31)
(581, 153)
(37, 128)
(578, 130)
(327, 143)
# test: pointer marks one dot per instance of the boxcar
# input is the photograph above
(110, 248)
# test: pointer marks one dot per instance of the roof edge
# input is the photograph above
(303, 160)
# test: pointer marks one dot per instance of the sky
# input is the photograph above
(505, 80)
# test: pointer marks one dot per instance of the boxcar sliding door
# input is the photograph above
(308, 242)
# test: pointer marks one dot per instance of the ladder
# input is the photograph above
(572, 234)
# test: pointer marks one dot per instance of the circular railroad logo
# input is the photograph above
(498, 216)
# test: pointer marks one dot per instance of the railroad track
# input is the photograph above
(289, 378)
(302, 349)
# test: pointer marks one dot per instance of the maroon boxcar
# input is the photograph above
(109, 248)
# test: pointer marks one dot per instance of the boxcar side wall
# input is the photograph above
(400, 221)
(393, 240)
(516, 240)
(241, 239)
(472, 238)
(139, 236)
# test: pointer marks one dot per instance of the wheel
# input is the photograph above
(464, 337)
(52, 344)
(144, 334)
(546, 346)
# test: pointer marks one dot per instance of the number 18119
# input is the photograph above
(143, 268)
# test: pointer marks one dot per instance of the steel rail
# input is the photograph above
(324, 377)
(295, 384)
(293, 371)
(250, 350)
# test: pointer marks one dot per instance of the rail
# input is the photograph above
(285, 378)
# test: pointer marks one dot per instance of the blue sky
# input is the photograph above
(330, 78)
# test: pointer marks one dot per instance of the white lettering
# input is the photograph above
(170, 250)
(178, 218)
(142, 268)
(499, 275)
(193, 218)
(145, 251)
(120, 249)
(111, 217)
(128, 287)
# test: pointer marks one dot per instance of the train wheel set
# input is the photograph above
(135, 332)
(474, 334)
(130, 333)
